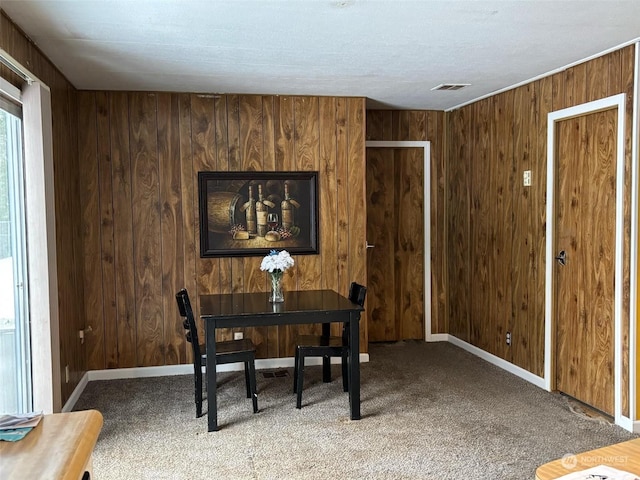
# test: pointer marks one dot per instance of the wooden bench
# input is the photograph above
(60, 447)
(623, 456)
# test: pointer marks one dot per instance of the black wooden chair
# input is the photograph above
(226, 352)
(320, 346)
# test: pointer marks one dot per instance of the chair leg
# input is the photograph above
(247, 378)
(252, 384)
(296, 361)
(198, 394)
(326, 369)
(345, 372)
(299, 380)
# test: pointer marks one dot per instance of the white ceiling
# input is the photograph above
(392, 52)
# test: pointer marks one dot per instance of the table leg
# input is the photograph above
(326, 361)
(212, 385)
(354, 365)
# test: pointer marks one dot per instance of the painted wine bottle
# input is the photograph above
(287, 207)
(250, 212)
(261, 213)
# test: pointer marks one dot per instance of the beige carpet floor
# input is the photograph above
(430, 411)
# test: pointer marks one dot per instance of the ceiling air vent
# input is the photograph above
(450, 86)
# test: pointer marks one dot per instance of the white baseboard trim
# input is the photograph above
(497, 361)
(169, 370)
(628, 424)
(437, 337)
(185, 369)
(75, 395)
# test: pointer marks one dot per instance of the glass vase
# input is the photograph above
(276, 295)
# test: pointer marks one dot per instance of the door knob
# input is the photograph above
(562, 258)
(369, 246)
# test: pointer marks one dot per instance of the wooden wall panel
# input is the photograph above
(76, 355)
(436, 130)
(328, 186)
(188, 229)
(155, 206)
(222, 277)
(307, 157)
(482, 208)
(106, 229)
(205, 149)
(342, 213)
(285, 160)
(409, 174)
(524, 129)
(236, 163)
(68, 242)
(356, 195)
(458, 224)
(503, 118)
(542, 104)
(500, 137)
(171, 224)
(251, 155)
(269, 164)
(90, 199)
(123, 232)
(357, 211)
(626, 85)
(146, 228)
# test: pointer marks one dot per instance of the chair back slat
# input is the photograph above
(357, 293)
(189, 324)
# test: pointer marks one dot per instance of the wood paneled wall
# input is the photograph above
(140, 154)
(496, 227)
(411, 125)
(67, 204)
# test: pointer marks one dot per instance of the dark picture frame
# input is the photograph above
(235, 210)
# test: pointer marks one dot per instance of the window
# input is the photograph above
(15, 358)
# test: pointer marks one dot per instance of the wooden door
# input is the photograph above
(395, 264)
(381, 292)
(585, 231)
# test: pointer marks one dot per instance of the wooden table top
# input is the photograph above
(57, 448)
(623, 456)
(257, 304)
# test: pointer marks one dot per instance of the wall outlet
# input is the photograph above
(526, 178)
(66, 374)
(508, 338)
(238, 335)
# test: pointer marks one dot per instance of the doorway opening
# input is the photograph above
(425, 148)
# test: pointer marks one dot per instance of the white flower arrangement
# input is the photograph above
(276, 262)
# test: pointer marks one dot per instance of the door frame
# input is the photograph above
(612, 102)
(426, 206)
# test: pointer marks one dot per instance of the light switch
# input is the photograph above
(526, 178)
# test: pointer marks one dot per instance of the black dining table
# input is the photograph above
(237, 310)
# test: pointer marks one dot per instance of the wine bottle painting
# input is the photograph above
(251, 213)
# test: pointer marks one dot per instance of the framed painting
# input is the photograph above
(252, 213)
